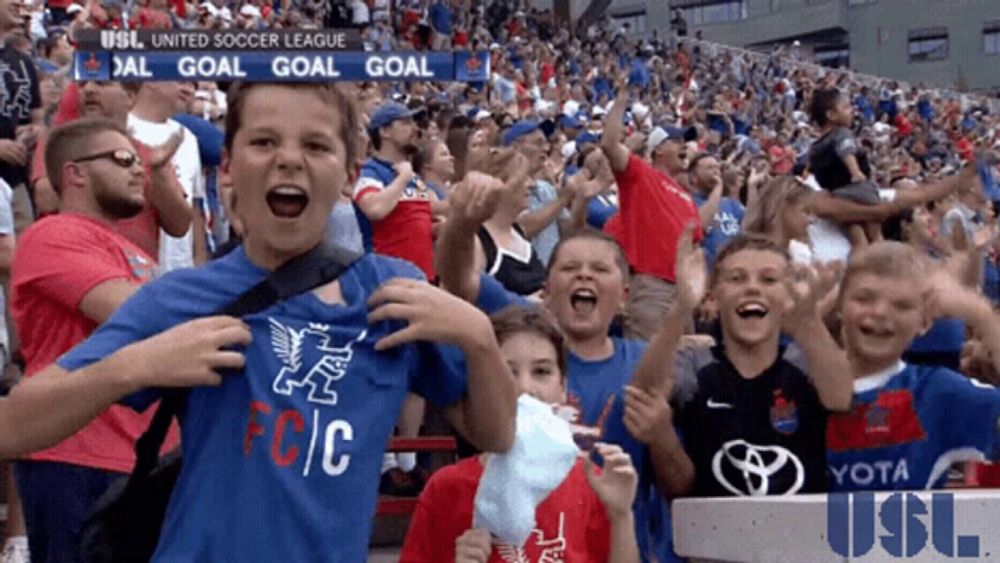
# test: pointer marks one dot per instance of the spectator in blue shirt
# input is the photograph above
(440, 16)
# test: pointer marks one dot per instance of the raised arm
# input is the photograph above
(473, 200)
(711, 206)
(829, 369)
(614, 131)
(166, 194)
(379, 204)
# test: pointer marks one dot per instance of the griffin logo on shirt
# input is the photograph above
(888, 421)
(288, 344)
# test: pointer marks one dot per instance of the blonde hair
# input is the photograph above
(764, 216)
(887, 259)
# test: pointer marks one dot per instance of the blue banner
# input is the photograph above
(257, 66)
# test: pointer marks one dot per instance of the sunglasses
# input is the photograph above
(121, 157)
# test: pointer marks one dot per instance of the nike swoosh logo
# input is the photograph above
(714, 405)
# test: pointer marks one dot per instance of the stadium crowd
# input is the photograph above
(737, 274)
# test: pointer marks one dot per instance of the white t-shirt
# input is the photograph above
(359, 13)
(827, 239)
(175, 252)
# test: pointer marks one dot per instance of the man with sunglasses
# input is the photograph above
(71, 271)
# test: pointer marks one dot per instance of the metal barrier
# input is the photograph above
(402, 506)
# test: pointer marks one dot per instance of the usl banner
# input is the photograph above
(281, 66)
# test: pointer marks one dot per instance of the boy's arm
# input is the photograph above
(485, 415)
(829, 369)
(949, 297)
(711, 206)
(649, 418)
(472, 201)
(187, 355)
(851, 162)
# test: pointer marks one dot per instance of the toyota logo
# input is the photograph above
(762, 470)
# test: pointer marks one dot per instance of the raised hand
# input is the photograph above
(190, 354)
(473, 546)
(691, 271)
(162, 155)
(807, 286)
(475, 199)
(616, 485)
(432, 315)
(647, 414)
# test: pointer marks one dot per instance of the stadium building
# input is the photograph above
(944, 43)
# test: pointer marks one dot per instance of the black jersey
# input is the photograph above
(520, 275)
(750, 437)
(826, 159)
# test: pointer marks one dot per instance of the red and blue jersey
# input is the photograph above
(407, 231)
(282, 460)
(907, 428)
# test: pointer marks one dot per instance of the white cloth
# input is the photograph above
(175, 252)
(515, 483)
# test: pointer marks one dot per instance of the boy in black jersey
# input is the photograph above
(751, 419)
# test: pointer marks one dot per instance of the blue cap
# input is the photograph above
(569, 122)
(386, 113)
(587, 137)
(526, 127)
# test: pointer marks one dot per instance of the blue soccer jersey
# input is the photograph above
(282, 461)
(907, 427)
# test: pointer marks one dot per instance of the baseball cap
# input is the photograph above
(74, 8)
(569, 122)
(588, 137)
(526, 127)
(386, 113)
(661, 134)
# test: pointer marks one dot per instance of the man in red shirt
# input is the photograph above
(165, 207)
(395, 204)
(71, 271)
(653, 210)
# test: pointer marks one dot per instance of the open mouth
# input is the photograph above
(752, 310)
(287, 202)
(870, 331)
(583, 301)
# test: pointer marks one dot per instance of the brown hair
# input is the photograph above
(518, 319)
(329, 93)
(743, 242)
(591, 234)
(70, 141)
(887, 259)
(424, 155)
(764, 216)
(458, 139)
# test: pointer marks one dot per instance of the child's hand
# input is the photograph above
(474, 546)
(617, 483)
(691, 271)
(647, 414)
(475, 199)
(807, 286)
(432, 314)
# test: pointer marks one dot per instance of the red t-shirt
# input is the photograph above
(69, 105)
(144, 228)
(58, 261)
(653, 210)
(407, 232)
(571, 523)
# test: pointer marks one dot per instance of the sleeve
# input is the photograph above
(6, 211)
(973, 412)
(36, 90)
(193, 153)
(367, 182)
(493, 297)
(129, 324)
(66, 262)
(845, 144)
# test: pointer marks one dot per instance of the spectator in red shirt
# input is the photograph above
(588, 518)
(165, 206)
(654, 208)
(71, 272)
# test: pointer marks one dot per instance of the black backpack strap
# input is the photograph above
(321, 265)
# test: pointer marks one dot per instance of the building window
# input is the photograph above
(705, 12)
(838, 56)
(991, 38)
(860, 2)
(930, 44)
